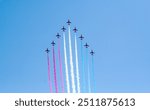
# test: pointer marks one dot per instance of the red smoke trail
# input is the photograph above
(49, 79)
(60, 67)
(55, 77)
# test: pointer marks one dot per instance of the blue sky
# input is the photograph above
(118, 31)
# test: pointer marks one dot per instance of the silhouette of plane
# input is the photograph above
(58, 36)
(68, 22)
(92, 52)
(81, 37)
(53, 43)
(47, 50)
(63, 29)
(86, 45)
(75, 29)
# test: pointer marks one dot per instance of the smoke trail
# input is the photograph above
(66, 64)
(49, 79)
(77, 68)
(71, 62)
(93, 75)
(83, 67)
(82, 62)
(88, 71)
(55, 77)
(60, 67)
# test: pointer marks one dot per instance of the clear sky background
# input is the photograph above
(118, 31)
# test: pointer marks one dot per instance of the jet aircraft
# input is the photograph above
(63, 29)
(58, 36)
(92, 52)
(47, 50)
(75, 29)
(53, 43)
(81, 37)
(68, 22)
(86, 45)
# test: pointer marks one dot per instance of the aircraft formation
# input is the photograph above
(71, 80)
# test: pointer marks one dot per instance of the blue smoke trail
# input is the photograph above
(88, 71)
(82, 63)
(93, 74)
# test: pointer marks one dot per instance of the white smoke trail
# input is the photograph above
(77, 67)
(66, 64)
(71, 62)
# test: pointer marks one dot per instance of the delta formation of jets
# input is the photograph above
(75, 30)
